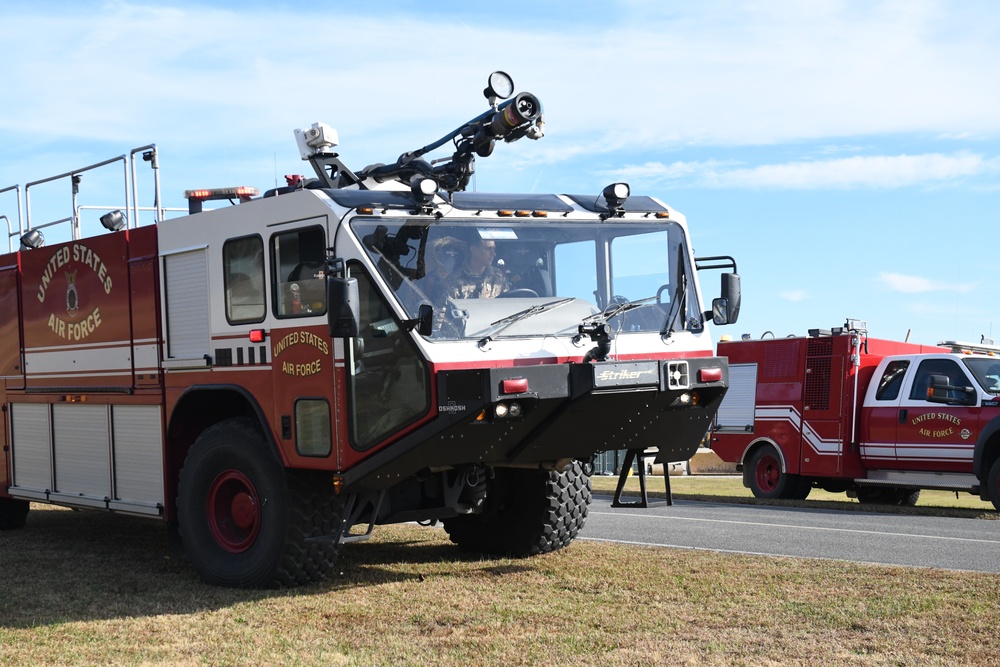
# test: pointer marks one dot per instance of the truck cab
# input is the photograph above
(927, 417)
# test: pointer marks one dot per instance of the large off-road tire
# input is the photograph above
(765, 478)
(13, 513)
(993, 484)
(888, 495)
(244, 521)
(528, 512)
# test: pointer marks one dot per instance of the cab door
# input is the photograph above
(303, 371)
(880, 415)
(298, 393)
(936, 436)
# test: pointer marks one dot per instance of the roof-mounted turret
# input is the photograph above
(519, 116)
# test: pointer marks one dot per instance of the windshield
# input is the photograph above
(530, 278)
(987, 372)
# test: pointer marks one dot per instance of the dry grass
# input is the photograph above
(84, 589)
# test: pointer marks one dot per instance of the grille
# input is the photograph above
(816, 395)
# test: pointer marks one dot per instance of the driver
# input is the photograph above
(477, 277)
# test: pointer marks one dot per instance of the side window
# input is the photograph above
(931, 367)
(298, 272)
(892, 380)
(243, 279)
(389, 382)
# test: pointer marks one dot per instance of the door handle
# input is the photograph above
(902, 416)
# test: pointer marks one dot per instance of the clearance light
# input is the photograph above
(257, 335)
(663, 214)
(505, 213)
(709, 375)
(522, 214)
(365, 210)
(539, 214)
(514, 386)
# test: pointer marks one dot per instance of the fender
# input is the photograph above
(988, 433)
(755, 444)
(222, 412)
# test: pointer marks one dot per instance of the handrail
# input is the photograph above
(76, 188)
(20, 227)
(149, 154)
(10, 233)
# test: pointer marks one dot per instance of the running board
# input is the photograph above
(947, 481)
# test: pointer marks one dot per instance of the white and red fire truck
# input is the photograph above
(268, 375)
(876, 418)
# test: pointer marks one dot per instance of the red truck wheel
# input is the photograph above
(993, 484)
(764, 475)
(13, 513)
(244, 521)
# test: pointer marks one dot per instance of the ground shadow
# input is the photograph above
(66, 566)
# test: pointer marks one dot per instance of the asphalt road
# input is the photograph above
(863, 537)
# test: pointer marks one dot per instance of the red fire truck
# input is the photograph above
(276, 377)
(878, 419)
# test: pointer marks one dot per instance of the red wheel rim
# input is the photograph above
(233, 511)
(768, 473)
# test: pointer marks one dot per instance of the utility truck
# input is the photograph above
(276, 377)
(878, 419)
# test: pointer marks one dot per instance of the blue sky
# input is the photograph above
(845, 153)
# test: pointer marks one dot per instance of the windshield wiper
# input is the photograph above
(611, 313)
(510, 320)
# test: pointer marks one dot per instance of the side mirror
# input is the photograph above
(942, 391)
(726, 309)
(424, 324)
(343, 307)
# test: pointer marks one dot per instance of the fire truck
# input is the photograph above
(276, 376)
(879, 419)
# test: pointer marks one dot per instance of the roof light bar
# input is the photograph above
(241, 192)
(195, 197)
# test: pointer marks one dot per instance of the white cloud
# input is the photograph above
(644, 75)
(878, 171)
(898, 282)
(794, 295)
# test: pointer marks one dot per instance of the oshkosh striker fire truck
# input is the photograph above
(876, 418)
(275, 378)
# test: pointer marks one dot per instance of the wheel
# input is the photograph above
(243, 521)
(888, 495)
(13, 513)
(520, 293)
(528, 512)
(993, 484)
(800, 489)
(765, 477)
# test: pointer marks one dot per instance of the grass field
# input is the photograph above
(82, 588)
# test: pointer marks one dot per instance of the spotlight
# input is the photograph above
(615, 195)
(113, 221)
(32, 239)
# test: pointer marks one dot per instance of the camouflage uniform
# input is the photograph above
(467, 285)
